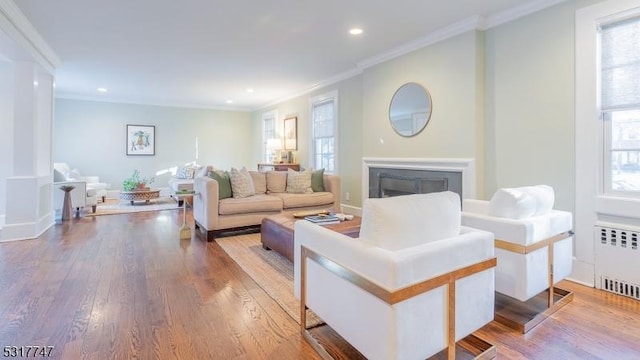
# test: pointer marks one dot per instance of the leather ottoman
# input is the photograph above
(276, 232)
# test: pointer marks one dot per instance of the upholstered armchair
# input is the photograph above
(80, 196)
(534, 250)
(62, 172)
(412, 285)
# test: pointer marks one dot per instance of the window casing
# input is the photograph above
(269, 132)
(324, 132)
(619, 55)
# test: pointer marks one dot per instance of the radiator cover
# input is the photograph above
(616, 259)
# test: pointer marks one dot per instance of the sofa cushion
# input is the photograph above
(251, 204)
(317, 180)
(241, 183)
(259, 182)
(276, 181)
(299, 182)
(224, 183)
(405, 221)
(292, 201)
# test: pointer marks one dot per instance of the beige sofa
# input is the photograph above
(214, 216)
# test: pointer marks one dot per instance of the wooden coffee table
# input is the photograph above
(276, 232)
(139, 195)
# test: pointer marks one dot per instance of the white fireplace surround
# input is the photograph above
(466, 166)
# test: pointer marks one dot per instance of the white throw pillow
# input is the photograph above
(299, 182)
(404, 221)
(522, 202)
(241, 183)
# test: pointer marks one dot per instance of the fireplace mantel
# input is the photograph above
(466, 166)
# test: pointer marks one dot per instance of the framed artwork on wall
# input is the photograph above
(291, 133)
(141, 140)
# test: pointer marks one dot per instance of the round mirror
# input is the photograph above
(410, 109)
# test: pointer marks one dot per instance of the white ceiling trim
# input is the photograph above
(518, 12)
(15, 24)
(97, 98)
(447, 32)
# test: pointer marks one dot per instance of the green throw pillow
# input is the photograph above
(224, 183)
(317, 180)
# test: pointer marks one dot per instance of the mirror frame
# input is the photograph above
(429, 111)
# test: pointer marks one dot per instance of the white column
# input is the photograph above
(28, 189)
(6, 133)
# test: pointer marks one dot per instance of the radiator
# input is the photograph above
(617, 260)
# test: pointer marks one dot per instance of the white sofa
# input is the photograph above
(63, 172)
(404, 241)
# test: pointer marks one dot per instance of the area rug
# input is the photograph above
(271, 271)
(115, 206)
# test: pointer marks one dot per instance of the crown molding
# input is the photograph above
(174, 104)
(518, 12)
(324, 83)
(19, 29)
(460, 27)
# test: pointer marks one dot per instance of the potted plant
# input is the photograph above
(136, 183)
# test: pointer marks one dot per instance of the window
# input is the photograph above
(269, 135)
(324, 132)
(620, 105)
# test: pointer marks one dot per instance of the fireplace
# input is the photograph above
(385, 177)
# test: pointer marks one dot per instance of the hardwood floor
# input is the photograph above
(125, 286)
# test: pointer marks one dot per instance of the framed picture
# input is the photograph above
(141, 140)
(291, 133)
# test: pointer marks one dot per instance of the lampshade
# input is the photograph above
(274, 144)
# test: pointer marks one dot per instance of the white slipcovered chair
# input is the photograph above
(80, 196)
(534, 250)
(413, 284)
(62, 172)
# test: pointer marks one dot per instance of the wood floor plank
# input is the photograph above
(125, 286)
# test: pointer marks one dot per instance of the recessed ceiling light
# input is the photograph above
(101, 89)
(249, 90)
(229, 101)
(355, 31)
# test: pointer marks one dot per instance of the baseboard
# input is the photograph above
(353, 210)
(583, 273)
(27, 231)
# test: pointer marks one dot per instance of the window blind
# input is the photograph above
(620, 65)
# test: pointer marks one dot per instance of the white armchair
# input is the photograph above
(534, 250)
(80, 196)
(412, 285)
(62, 172)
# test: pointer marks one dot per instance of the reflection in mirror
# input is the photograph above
(410, 109)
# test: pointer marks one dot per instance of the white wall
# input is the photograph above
(6, 132)
(90, 136)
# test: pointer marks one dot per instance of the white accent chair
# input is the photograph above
(413, 284)
(534, 250)
(62, 172)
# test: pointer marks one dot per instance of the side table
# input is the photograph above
(185, 230)
(66, 205)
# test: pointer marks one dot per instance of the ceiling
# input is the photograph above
(203, 53)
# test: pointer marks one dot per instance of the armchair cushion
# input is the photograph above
(410, 220)
(522, 202)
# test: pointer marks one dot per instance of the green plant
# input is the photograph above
(134, 181)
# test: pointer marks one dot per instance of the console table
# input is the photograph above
(139, 195)
(278, 167)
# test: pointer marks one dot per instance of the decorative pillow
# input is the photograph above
(522, 202)
(58, 176)
(224, 183)
(317, 180)
(185, 172)
(241, 183)
(299, 182)
(259, 181)
(400, 222)
(276, 181)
